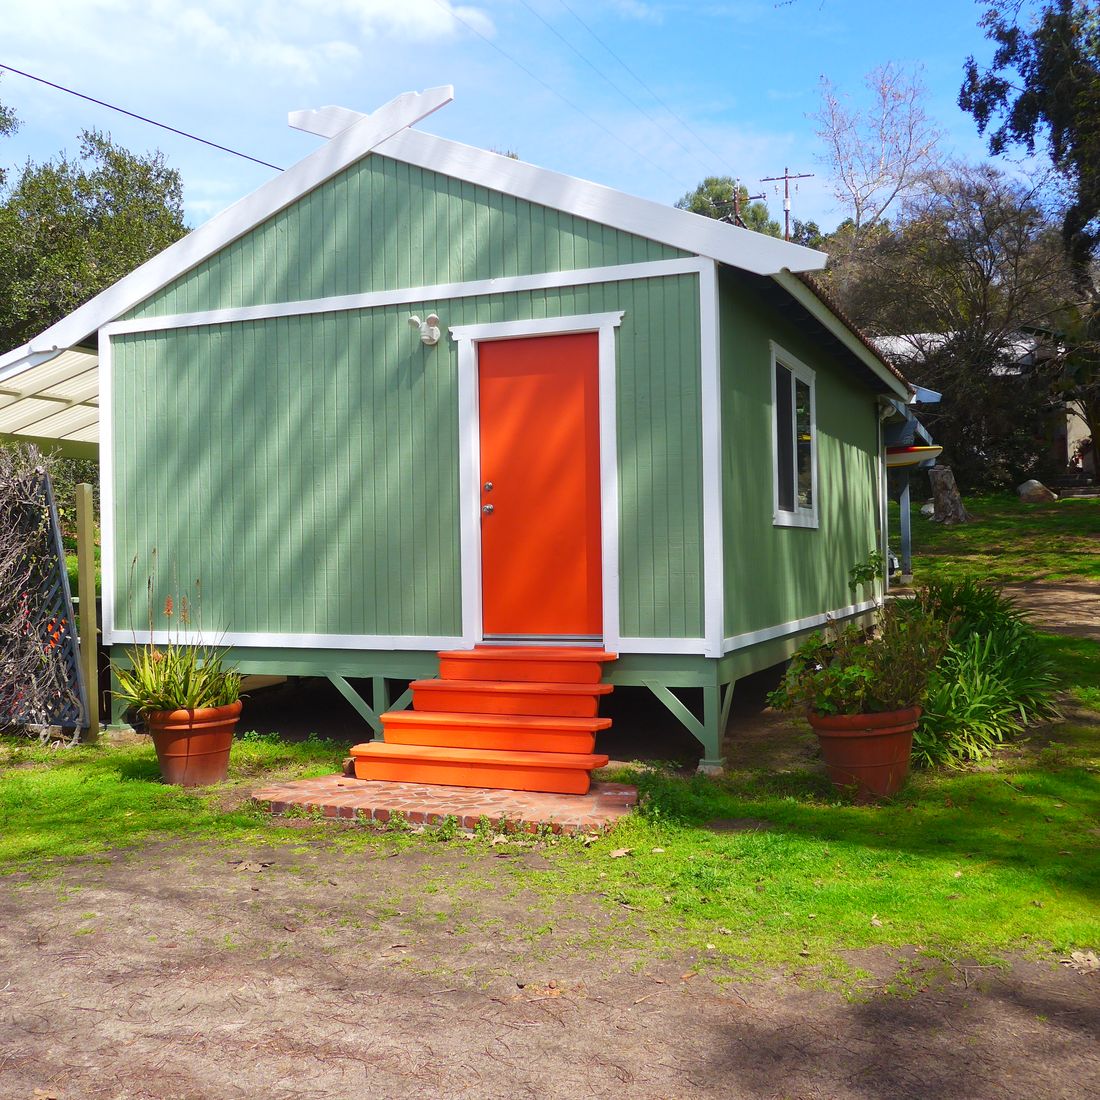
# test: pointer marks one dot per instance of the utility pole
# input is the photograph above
(737, 219)
(786, 178)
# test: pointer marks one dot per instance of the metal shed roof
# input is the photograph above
(54, 404)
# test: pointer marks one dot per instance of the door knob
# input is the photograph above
(487, 509)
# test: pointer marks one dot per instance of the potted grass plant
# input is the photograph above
(862, 692)
(190, 702)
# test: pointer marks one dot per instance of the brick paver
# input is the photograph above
(422, 804)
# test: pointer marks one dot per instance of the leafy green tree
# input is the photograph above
(9, 123)
(714, 198)
(1044, 83)
(69, 228)
(973, 274)
(1043, 86)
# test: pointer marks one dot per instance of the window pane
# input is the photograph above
(804, 428)
(784, 439)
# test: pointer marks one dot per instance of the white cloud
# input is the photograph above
(304, 38)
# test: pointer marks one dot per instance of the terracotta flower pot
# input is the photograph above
(869, 752)
(193, 745)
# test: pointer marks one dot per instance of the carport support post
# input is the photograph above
(906, 533)
(89, 627)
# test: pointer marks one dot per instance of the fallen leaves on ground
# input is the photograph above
(1087, 962)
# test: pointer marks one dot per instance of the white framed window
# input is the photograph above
(794, 441)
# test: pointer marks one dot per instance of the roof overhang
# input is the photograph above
(879, 374)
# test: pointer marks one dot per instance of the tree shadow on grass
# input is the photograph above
(1032, 813)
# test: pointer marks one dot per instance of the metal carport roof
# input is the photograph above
(54, 403)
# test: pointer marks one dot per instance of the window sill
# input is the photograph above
(794, 519)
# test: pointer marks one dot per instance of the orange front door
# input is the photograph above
(540, 486)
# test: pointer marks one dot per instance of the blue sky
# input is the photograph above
(740, 78)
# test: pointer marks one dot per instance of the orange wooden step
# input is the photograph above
(536, 664)
(554, 772)
(514, 733)
(499, 697)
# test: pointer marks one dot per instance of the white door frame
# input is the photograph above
(467, 337)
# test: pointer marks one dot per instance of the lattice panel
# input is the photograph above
(53, 694)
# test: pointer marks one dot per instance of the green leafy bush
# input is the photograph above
(993, 681)
(852, 673)
(968, 607)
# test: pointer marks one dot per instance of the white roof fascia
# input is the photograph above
(729, 244)
(807, 298)
(333, 157)
(324, 122)
(387, 132)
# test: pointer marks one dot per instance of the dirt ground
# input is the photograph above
(181, 973)
(1061, 607)
(197, 972)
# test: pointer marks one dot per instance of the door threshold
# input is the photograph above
(575, 641)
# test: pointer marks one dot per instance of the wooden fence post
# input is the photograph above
(89, 625)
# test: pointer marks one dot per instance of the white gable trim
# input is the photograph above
(387, 132)
(729, 244)
(286, 188)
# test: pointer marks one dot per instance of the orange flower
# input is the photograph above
(168, 607)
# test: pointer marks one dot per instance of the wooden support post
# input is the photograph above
(357, 701)
(710, 731)
(381, 702)
(89, 625)
(906, 533)
(713, 762)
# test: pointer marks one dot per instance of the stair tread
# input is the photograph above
(517, 687)
(529, 653)
(586, 761)
(500, 721)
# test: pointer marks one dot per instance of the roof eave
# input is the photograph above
(813, 304)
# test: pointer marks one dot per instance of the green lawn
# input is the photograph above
(981, 862)
(972, 863)
(1009, 542)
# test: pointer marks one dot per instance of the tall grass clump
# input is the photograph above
(993, 681)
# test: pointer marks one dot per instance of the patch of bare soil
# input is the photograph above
(188, 972)
(1060, 607)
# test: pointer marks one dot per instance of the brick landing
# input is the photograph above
(422, 804)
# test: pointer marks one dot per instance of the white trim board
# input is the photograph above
(469, 466)
(260, 640)
(440, 292)
(714, 567)
(753, 637)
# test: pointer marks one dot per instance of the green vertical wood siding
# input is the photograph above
(778, 574)
(384, 225)
(306, 468)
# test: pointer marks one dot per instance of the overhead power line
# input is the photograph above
(607, 80)
(140, 118)
(550, 88)
(698, 137)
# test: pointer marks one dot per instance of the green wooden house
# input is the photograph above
(269, 421)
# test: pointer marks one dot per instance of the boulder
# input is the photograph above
(928, 509)
(1035, 492)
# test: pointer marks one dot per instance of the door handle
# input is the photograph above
(487, 509)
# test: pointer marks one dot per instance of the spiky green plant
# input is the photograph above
(176, 677)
